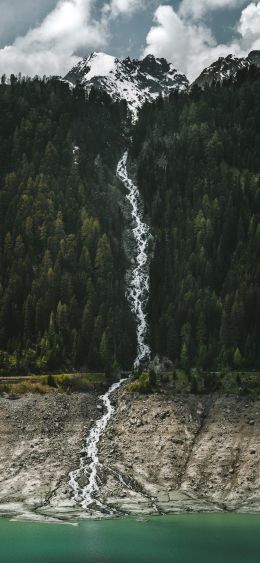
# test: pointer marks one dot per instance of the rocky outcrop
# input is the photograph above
(184, 453)
(131, 80)
(41, 439)
(160, 454)
(226, 68)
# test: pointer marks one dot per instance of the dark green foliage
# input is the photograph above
(62, 278)
(198, 163)
(51, 381)
(62, 274)
(143, 383)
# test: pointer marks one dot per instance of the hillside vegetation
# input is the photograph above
(62, 286)
(63, 261)
(198, 169)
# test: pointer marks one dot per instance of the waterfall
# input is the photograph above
(139, 282)
(138, 294)
(89, 469)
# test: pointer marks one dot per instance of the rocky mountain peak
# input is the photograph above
(225, 68)
(130, 79)
(254, 57)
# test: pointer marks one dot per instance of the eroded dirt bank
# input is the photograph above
(160, 454)
(188, 453)
(41, 440)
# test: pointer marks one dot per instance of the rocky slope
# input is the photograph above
(225, 68)
(140, 81)
(160, 454)
(187, 453)
(41, 439)
(131, 80)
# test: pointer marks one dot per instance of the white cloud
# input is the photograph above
(191, 46)
(197, 8)
(50, 47)
(180, 36)
(126, 7)
(17, 16)
(176, 40)
(249, 25)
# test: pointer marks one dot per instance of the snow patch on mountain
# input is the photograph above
(225, 68)
(102, 65)
(131, 80)
(140, 81)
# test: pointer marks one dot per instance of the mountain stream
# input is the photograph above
(138, 294)
(139, 279)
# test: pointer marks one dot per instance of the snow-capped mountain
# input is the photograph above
(140, 81)
(225, 68)
(130, 79)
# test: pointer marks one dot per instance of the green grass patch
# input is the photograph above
(144, 383)
(59, 383)
(198, 381)
(80, 382)
(246, 383)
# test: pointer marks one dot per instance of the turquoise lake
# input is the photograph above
(170, 539)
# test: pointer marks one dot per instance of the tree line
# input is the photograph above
(62, 256)
(62, 286)
(197, 158)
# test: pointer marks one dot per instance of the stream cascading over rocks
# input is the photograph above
(84, 495)
(138, 294)
(139, 279)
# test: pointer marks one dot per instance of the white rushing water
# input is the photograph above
(89, 462)
(138, 294)
(139, 282)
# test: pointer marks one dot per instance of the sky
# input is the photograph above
(50, 36)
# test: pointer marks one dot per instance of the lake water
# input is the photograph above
(170, 539)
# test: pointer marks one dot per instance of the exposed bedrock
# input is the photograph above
(187, 452)
(159, 454)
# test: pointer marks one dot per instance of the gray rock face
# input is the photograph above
(190, 453)
(41, 439)
(160, 453)
(225, 68)
(254, 58)
(137, 82)
(131, 80)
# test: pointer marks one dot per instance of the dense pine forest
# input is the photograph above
(62, 288)
(63, 262)
(198, 169)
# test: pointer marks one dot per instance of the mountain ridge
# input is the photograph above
(129, 79)
(139, 81)
(225, 68)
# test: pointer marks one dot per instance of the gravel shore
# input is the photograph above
(160, 454)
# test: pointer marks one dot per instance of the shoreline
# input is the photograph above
(17, 513)
(177, 455)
